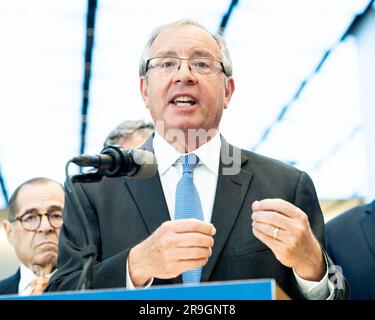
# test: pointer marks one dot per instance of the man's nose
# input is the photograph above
(184, 73)
(45, 224)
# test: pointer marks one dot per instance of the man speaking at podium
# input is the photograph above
(213, 212)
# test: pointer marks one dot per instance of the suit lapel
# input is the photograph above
(16, 282)
(149, 196)
(368, 226)
(230, 193)
(10, 285)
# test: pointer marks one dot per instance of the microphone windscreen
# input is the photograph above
(147, 162)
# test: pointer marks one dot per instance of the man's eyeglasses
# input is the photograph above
(168, 66)
(31, 221)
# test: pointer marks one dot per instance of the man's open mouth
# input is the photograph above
(183, 101)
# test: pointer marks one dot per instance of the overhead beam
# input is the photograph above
(90, 32)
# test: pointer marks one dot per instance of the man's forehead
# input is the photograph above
(33, 196)
(40, 189)
(192, 53)
(193, 39)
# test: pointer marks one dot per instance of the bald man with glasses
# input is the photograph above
(33, 228)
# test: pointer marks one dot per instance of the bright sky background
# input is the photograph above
(275, 45)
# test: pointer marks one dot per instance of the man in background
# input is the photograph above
(350, 239)
(129, 134)
(32, 228)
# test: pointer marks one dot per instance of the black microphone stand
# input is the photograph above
(89, 248)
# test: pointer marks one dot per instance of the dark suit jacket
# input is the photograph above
(351, 245)
(122, 212)
(10, 284)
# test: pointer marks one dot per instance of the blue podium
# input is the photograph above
(262, 289)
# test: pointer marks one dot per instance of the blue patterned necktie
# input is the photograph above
(188, 205)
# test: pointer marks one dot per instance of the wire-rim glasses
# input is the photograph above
(168, 66)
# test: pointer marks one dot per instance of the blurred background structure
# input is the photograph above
(304, 72)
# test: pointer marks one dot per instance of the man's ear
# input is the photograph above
(8, 231)
(144, 90)
(229, 89)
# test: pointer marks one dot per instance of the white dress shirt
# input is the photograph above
(205, 179)
(26, 287)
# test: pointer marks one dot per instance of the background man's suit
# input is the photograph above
(351, 245)
(123, 212)
(10, 284)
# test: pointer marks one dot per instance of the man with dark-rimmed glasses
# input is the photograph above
(32, 228)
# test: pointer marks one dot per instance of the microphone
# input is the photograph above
(114, 161)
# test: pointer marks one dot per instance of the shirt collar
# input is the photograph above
(167, 155)
(26, 277)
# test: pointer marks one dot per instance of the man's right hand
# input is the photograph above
(176, 246)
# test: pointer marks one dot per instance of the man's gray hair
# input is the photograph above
(126, 130)
(224, 52)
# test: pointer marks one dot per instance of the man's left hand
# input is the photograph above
(285, 229)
